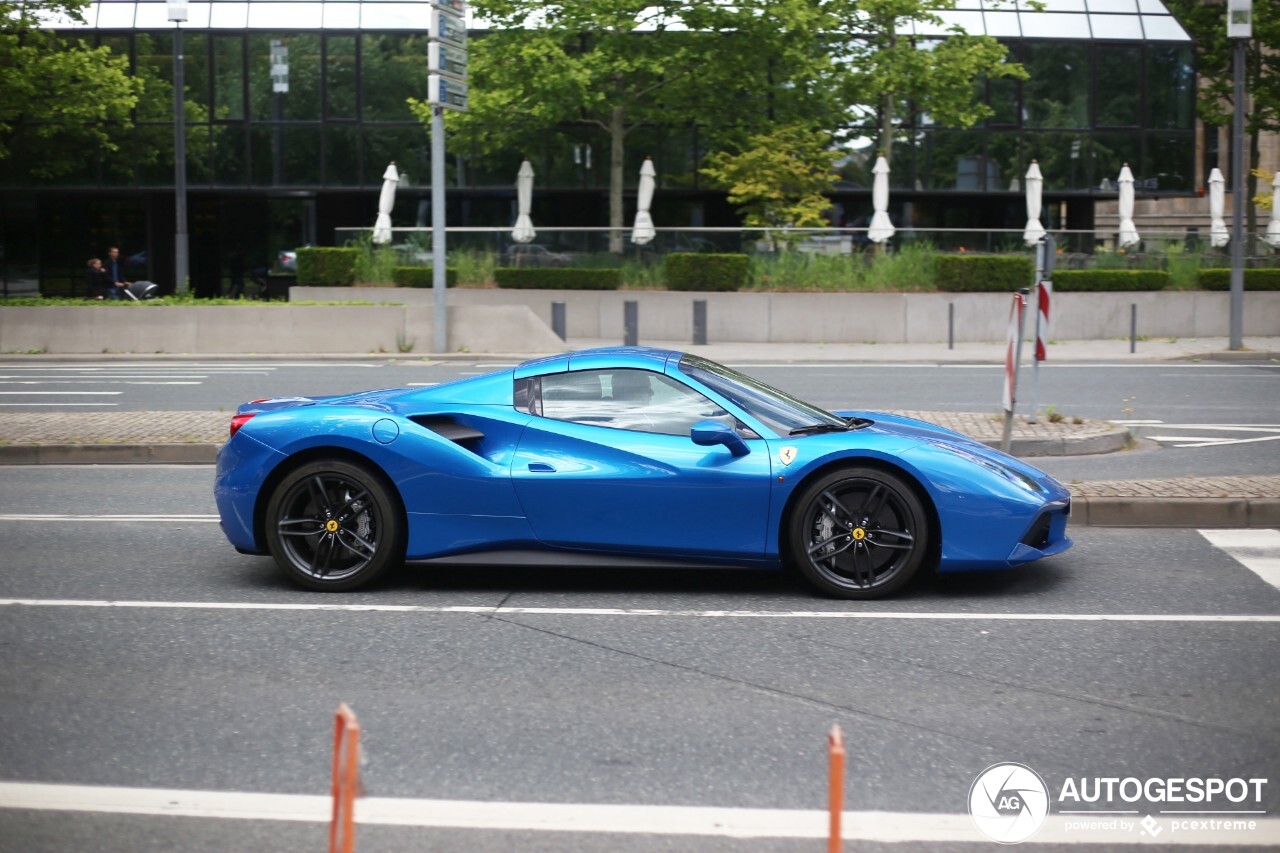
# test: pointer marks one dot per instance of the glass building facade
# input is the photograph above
(295, 107)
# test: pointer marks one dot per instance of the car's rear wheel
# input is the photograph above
(858, 533)
(333, 525)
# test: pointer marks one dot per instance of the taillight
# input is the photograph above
(238, 421)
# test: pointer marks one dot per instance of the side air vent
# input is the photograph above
(446, 427)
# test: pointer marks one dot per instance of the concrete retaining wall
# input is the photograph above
(858, 317)
(252, 329)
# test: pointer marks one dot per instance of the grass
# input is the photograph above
(177, 299)
(910, 268)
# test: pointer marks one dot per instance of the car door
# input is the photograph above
(607, 464)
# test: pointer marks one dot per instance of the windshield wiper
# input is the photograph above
(814, 429)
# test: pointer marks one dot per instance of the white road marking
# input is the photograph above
(135, 517)
(889, 827)
(65, 393)
(45, 405)
(507, 610)
(1257, 550)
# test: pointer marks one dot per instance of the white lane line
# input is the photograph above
(96, 382)
(931, 827)
(134, 517)
(507, 610)
(6, 403)
(64, 393)
(1257, 550)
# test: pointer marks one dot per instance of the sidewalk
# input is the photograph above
(194, 438)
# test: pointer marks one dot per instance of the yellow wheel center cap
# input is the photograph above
(858, 534)
(331, 525)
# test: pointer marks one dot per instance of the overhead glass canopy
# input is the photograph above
(1126, 20)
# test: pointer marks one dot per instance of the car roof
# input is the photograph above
(644, 358)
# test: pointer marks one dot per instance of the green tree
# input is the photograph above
(779, 180)
(1206, 22)
(58, 97)
(623, 64)
(880, 71)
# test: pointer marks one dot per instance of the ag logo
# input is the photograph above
(1009, 803)
(787, 455)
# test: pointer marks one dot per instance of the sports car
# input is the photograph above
(623, 456)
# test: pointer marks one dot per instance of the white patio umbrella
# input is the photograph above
(386, 201)
(644, 231)
(1035, 185)
(881, 228)
(1273, 227)
(1128, 231)
(523, 232)
(1219, 236)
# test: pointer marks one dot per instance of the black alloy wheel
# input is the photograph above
(858, 533)
(334, 526)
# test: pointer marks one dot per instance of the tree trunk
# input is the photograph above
(617, 134)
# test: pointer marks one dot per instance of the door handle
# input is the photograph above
(541, 468)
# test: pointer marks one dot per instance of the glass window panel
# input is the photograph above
(394, 67)
(970, 22)
(410, 147)
(1057, 93)
(1002, 24)
(285, 16)
(340, 76)
(153, 63)
(228, 77)
(342, 16)
(1125, 27)
(1054, 25)
(1170, 87)
(1003, 99)
(394, 16)
(1004, 154)
(231, 16)
(302, 101)
(230, 167)
(1154, 7)
(155, 16)
(1113, 6)
(969, 4)
(1054, 6)
(286, 155)
(1171, 161)
(115, 16)
(1110, 152)
(1119, 86)
(342, 155)
(955, 159)
(54, 19)
(1062, 157)
(195, 71)
(1163, 28)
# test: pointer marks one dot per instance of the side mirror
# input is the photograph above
(709, 433)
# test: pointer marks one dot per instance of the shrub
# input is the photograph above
(696, 271)
(557, 278)
(1265, 279)
(327, 266)
(422, 276)
(1110, 280)
(984, 273)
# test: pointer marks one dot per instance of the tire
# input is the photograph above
(858, 533)
(334, 526)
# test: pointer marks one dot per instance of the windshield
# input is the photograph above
(781, 412)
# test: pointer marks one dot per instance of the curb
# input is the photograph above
(1177, 512)
(1108, 442)
(109, 454)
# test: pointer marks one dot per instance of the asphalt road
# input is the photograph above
(1218, 418)
(547, 687)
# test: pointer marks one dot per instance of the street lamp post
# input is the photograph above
(178, 15)
(1239, 30)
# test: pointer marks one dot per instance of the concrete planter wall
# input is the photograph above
(858, 317)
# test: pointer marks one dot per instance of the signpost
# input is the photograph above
(447, 90)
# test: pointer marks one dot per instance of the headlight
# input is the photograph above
(1011, 474)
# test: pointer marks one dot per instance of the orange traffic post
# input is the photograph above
(346, 781)
(835, 754)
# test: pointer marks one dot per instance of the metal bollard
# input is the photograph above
(1133, 327)
(951, 325)
(557, 319)
(630, 323)
(699, 322)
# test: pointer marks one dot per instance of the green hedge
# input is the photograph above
(979, 273)
(1265, 279)
(327, 266)
(422, 276)
(557, 278)
(1110, 280)
(697, 271)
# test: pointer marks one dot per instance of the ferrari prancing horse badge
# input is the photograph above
(787, 455)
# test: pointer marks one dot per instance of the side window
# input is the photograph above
(624, 399)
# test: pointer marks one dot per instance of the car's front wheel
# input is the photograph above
(332, 525)
(858, 533)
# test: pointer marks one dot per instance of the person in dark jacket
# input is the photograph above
(100, 283)
(115, 269)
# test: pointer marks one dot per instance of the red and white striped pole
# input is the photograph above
(1044, 292)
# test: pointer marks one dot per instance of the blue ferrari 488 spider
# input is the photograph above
(623, 456)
